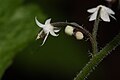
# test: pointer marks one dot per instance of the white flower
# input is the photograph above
(105, 12)
(69, 30)
(46, 29)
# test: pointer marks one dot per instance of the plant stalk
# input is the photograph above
(78, 27)
(94, 33)
(97, 58)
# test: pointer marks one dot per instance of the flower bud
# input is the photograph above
(69, 30)
(79, 35)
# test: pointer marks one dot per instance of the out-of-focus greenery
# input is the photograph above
(18, 31)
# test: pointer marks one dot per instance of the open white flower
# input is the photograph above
(46, 29)
(105, 12)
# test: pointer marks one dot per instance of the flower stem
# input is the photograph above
(97, 58)
(94, 33)
(78, 27)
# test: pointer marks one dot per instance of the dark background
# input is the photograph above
(62, 61)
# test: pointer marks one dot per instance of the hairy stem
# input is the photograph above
(94, 33)
(97, 58)
(78, 27)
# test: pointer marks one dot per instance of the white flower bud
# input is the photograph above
(79, 35)
(69, 30)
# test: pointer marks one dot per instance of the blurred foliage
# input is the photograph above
(17, 42)
(17, 29)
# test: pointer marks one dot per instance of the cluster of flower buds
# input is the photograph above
(70, 30)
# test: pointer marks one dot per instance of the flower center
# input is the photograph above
(48, 28)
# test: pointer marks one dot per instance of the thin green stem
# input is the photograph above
(94, 33)
(97, 58)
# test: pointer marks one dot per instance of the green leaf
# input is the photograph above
(17, 29)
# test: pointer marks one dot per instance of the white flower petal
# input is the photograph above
(47, 21)
(38, 37)
(45, 39)
(104, 15)
(92, 10)
(47, 29)
(53, 33)
(56, 29)
(112, 17)
(38, 23)
(93, 16)
(110, 11)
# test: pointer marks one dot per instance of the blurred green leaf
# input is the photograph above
(17, 29)
(17, 35)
